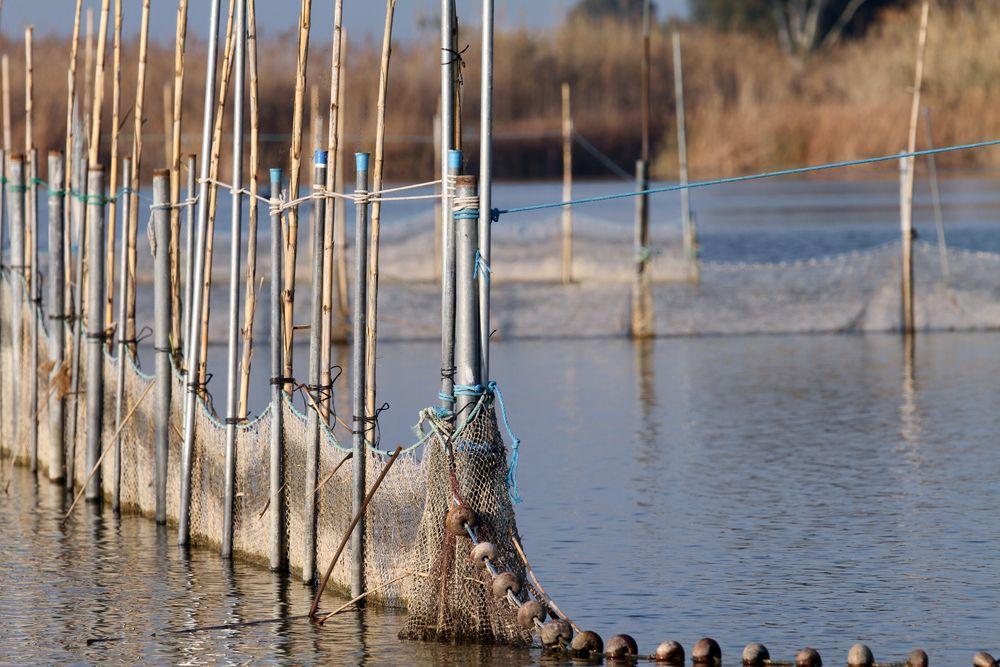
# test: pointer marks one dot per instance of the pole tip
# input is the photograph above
(361, 161)
(454, 159)
(161, 173)
(55, 155)
(320, 157)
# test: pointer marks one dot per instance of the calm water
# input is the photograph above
(813, 490)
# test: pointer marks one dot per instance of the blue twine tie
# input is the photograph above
(480, 262)
(515, 443)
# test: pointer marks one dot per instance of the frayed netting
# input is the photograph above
(454, 602)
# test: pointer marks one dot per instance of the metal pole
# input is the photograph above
(79, 186)
(641, 317)
(277, 558)
(448, 290)
(194, 331)
(906, 228)
(192, 185)
(122, 334)
(468, 356)
(315, 336)
(57, 308)
(161, 338)
(95, 326)
(485, 187)
(445, 120)
(235, 250)
(358, 368)
(687, 224)
(34, 310)
(15, 210)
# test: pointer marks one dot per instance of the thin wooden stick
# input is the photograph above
(340, 207)
(358, 598)
(295, 162)
(5, 68)
(350, 528)
(137, 118)
(318, 486)
(116, 93)
(216, 155)
(250, 307)
(371, 316)
(94, 156)
(88, 75)
(534, 580)
(167, 124)
(93, 471)
(177, 115)
(72, 282)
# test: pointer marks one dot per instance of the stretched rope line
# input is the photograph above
(497, 212)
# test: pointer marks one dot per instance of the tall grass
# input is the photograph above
(749, 106)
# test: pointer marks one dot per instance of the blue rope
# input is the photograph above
(466, 215)
(480, 262)
(515, 443)
(497, 212)
(468, 390)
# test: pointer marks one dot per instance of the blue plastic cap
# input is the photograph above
(276, 173)
(361, 161)
(320, 158)
(454, 159)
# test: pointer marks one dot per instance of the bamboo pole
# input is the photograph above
(688, 231)
(646, 108)
(358, 369)
(485, 187)
(177, 117)
(908, 169)
(116, 94)
(88, 73)
(122, 340)
(98, 100)
(5, 72)
(78, 215)
(138, 115)
(371, 317)
(235, 247)
(330, 206)
(340, 208)
(161, 296)
(936, 199)
(295, 160)
(277, 461)
(567, 190)
(229, 52)
(29, 144)
(95, 329)
(642, 316)
(194, 333)
(189, 249)
(57, 308)
(167, 126)
(72, 282)
(250, 305)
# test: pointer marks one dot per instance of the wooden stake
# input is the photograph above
(295, 162)
(69, 168)
(567, 192)
(689, 233)
(138, 117)
(29, 137)
(371, 317)
(168, 124)
(95, 118)
(250, 307)
(116, 92)
(5, 68)
(177, 115)
(908, 169)
(216, 154)
(88, 75)
(340, 207)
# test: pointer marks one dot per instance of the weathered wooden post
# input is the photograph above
(277, 551)
(567, 190)
(314, 389)
(235, 251)
(641, 300)
(15, 212)
(359, 344)
(189, 238)
(468, 356)
(57, 316)
(123, 297)
(95, 326)
(447, 395)
(688, 233)
(193, 341)
(160, 248)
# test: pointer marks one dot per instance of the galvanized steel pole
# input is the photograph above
(78, 206)
(160, 248)
(194, 332)
(96, 202)
(485, 187)
(468, 355)
(57, 314)
(192, 194)
(359, 459)
(35, 310)
(122, 334)
(454, 167)
(235, 250)
(15, 210)
(315, 337)
(277, 507)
